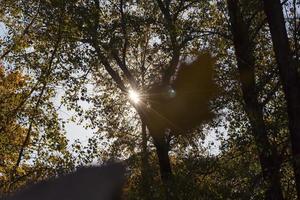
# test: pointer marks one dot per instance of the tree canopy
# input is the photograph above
(227, 70)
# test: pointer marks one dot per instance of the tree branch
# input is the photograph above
(174, 44)
(31, 118)
(124, 68)
(270, 94)
(103, 60)
(25, 32)
(114, 75)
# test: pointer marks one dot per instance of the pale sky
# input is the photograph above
(73, 129)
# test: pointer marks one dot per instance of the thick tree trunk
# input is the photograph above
(246, 64)
(289, 77)
(162, 150)
(164, 160)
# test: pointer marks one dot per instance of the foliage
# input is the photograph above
(96, 51)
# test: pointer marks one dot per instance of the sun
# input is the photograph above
(134, 96)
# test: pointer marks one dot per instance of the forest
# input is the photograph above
(198, 99)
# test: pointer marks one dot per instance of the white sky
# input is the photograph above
(74, 130)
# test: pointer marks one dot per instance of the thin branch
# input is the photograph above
(103, 60)
(181, 7)
(258, 28)
(295, 38)
(124, 31)
(124, 68)
(114, 75)
(31, 118)
(169, 23)
(171, 67)
(24, 33)
(270, 94)
(143, 57)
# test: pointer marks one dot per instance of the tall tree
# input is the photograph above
(289, 75)
(113, 40)
(246, 65)
(30, 127)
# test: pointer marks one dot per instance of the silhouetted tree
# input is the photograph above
(289, 76)
(270, 162)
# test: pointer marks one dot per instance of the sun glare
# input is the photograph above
(134, 96)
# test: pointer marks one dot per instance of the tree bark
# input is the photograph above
(163, 157)
(162, 151)
(146, 176)
(246, 64)
(289, 77)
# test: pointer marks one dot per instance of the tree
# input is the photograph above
(107, 37)
(34, 145)
(289, 77)
(246, 64)
(20, 143)
(95, 52)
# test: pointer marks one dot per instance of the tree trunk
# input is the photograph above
(162, 150)
(246, 64)
(164, 160)
(289, 77)
(146, 176)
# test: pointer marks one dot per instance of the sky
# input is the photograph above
(74, 130)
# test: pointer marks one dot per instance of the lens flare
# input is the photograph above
(134, 96)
